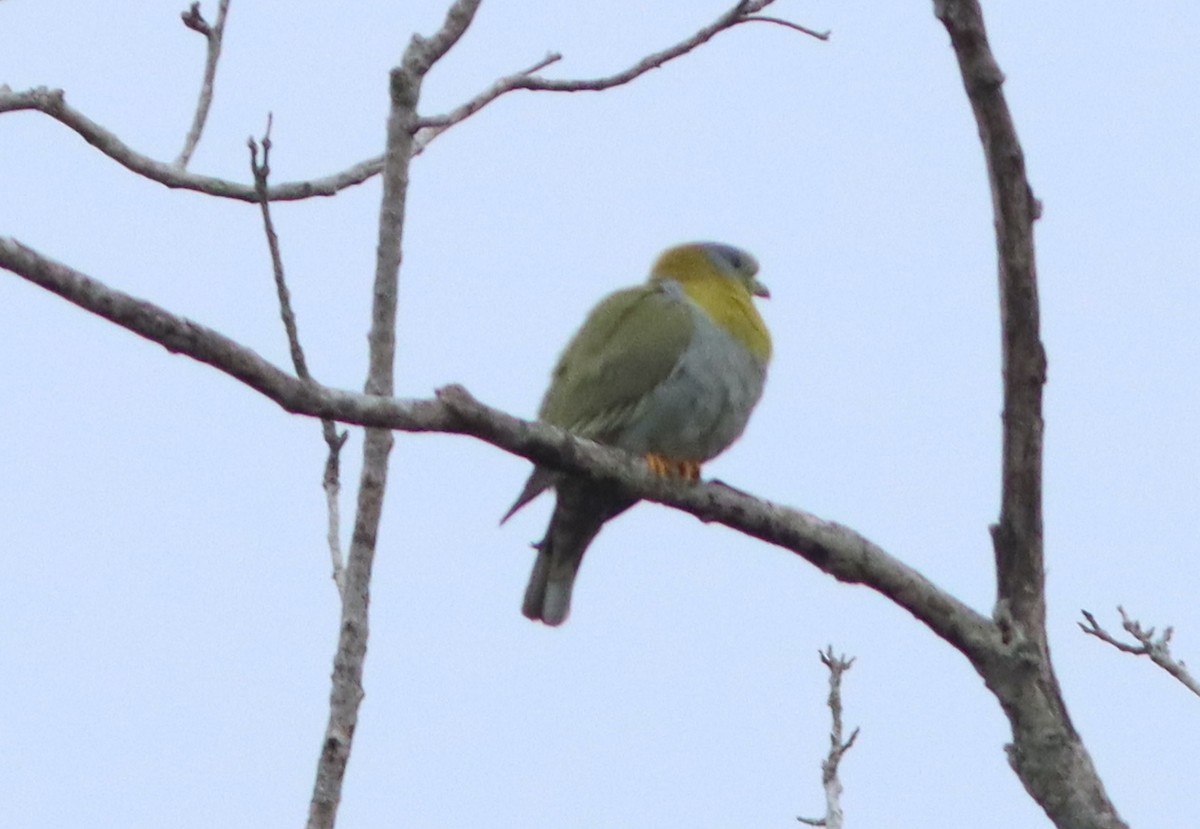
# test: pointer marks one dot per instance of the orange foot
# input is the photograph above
(666, 467)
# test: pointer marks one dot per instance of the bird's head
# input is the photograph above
(722, 280)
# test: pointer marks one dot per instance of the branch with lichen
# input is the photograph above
(1157, 648)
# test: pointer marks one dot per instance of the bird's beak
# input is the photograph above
(759, 289)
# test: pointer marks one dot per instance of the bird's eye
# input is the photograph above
(727, 257)
(732, 256)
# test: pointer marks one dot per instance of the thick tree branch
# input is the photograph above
(213, 36)
(1047, 753)
(835, 549)
(1018, 535)
(1158, 648)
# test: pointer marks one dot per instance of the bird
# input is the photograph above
(669, 370)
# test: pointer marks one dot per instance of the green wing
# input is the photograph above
(628, 345)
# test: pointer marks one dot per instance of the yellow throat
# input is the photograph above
(727, 299)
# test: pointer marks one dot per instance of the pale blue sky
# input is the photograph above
(167, 621)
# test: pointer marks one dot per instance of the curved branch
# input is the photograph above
(52, 102)
(738, 14)
(835, 549)
(787, 24)
(742, 12)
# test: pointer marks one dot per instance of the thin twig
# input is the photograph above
(779, 21)
(331, 478)
(830, 781)
(1158, 648)
(213, 36)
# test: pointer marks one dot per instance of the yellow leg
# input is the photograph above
(689, 470)
(666, 467)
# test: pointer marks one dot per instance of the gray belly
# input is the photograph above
(703, 406)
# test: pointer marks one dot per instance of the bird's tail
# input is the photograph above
(559, 554)
(579, 512)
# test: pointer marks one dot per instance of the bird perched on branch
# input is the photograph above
(669, 370)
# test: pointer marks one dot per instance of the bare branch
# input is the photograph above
(213, 35)
(52, 102)
(331, 478)
(1157, 648)
(743, 12)
(833, 819)
(347, 691)
(835, 549)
